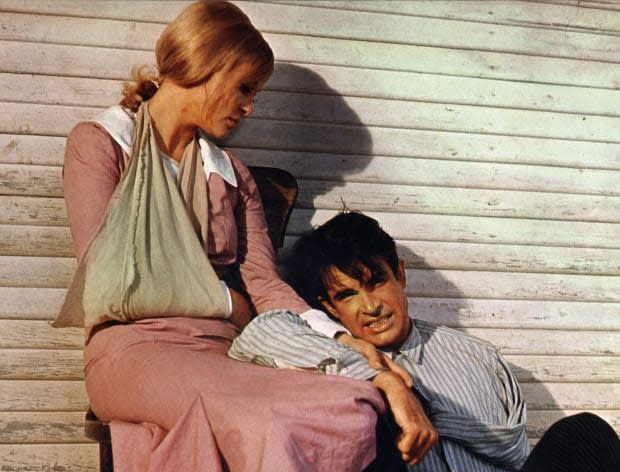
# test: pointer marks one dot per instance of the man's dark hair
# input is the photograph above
(350, 242)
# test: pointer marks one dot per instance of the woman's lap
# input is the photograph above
(146, 374)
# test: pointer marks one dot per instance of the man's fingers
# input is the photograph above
(415, 445)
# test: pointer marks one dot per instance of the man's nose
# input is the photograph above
(372, 306)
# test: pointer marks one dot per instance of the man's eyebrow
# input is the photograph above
(341, 292)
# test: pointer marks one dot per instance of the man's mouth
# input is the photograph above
(233, 122)
(381, 322)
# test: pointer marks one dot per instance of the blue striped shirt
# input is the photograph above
(466, 387)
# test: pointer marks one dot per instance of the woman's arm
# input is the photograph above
(93, 166)
(255, 252)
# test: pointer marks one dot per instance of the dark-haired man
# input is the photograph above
(349, 267)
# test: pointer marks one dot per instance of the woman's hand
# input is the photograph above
(418, 434)
(376, 358)
(241, 309)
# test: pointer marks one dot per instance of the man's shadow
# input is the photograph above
(303, 125)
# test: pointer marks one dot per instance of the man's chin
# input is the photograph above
(383, 340)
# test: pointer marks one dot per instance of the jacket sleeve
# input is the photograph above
(280, 338)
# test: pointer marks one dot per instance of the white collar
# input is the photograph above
(119, 122)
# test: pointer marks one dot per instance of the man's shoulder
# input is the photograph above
(453, 336)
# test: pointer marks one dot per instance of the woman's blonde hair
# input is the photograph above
(206, 37)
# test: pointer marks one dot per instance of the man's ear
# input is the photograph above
(329, 308)
(402, 274)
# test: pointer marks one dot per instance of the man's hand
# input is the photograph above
(418, 434)
(376, 358)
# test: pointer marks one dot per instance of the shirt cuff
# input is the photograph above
(228, 299)
(319, 321)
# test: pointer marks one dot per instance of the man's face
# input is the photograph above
(375, 309)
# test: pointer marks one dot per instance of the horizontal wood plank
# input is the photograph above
(346, 150)
(55, 90)
(24, 149)
(420, 115)
(517, 314)
(476, 230)
(34, 364)
(550, 342)
(459, 201)
(507, 285)
(366, 141)
(374, 27)
(43, 395)
(371, 112)
(25, 240)
(29, 303)
(534, 14)
(568, 396)
(31, 180)
(38, 457)
(550, 14)
(23, 271)
(28, 210)
(101, 62)
(335, 81)
(565, 368)
(18, 180)
(24, 427)
(507, 258)
(17, 240)
(38, 334)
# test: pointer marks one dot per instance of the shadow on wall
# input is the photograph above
(303, 125)
(432, 297)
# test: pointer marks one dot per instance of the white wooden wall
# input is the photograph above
(484, 135)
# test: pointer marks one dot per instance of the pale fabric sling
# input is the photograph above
(148, 258)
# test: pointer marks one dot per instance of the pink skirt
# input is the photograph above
(176, 402)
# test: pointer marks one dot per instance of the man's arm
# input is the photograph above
(282, 339)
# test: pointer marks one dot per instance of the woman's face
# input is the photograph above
(227, 97)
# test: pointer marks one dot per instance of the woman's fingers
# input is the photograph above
(398, 370)
(370, 352)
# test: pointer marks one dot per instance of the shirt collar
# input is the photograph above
(412, 347)
(119, 122)
(215, 160)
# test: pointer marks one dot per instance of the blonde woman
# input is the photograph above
(175, 401)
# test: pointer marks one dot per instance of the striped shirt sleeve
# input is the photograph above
(281, 338)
